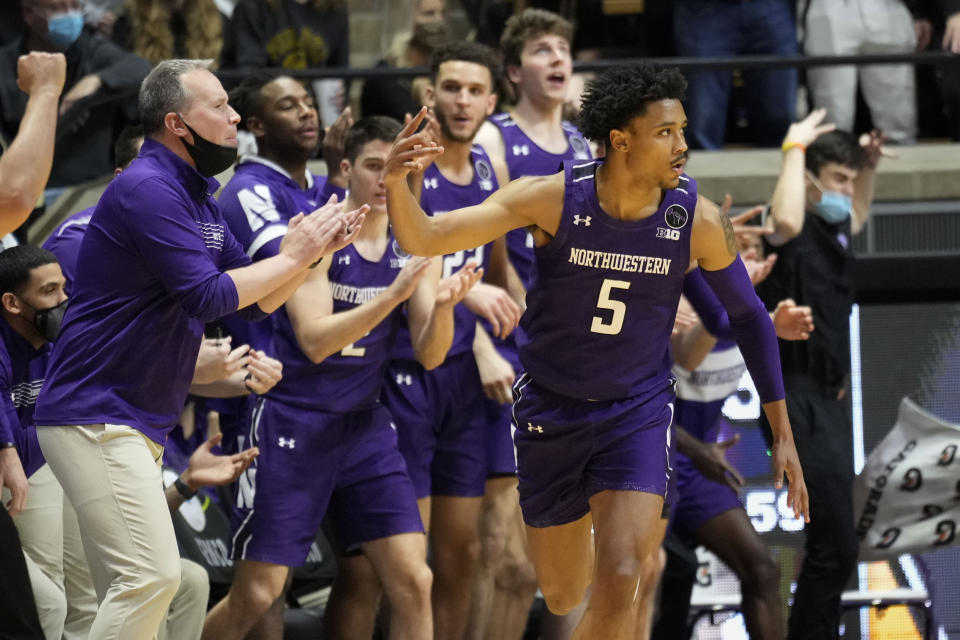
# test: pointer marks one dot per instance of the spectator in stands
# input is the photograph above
(863, 27)
(100, 78)
(23, 172)
(737, 28)
(291, 34)
(822, 197)
(396, 97)
(937, 25)
(164, 29)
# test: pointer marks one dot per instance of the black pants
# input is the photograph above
(18, 611)
(823, 435)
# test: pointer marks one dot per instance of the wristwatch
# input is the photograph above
(183, 489)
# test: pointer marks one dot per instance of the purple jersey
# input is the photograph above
(22, 369)
(604, 299)
(525, 158)
(257, 203)
(349, 380)
(439, 197)
(150, 273)
(64, 243)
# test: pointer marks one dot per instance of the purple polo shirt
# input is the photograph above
(149, 275)
(64, 243)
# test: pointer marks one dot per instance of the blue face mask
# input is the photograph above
(64, 28)
(834, 207)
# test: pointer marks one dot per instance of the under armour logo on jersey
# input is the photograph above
(430, 183)
(534, 427)
(586, 221)
(404, 378)
(287, 443)
(521, 150)
(344, 260)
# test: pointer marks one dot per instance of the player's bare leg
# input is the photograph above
(256, 586)
(649, 582)
(400, 565)
(352, 609)
(505, 584)
(455, 551)
(733, 539)
(270, 624)
(563, 557)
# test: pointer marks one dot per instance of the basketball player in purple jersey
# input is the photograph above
(439, 413)
(333, 336)
(534, 140)
(594, 406)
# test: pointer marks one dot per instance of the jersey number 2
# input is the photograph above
(619, 309)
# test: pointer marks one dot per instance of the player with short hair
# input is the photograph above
(440, 413)
(594, 407)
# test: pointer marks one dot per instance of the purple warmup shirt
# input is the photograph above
(605, 294)
(64, 243)
(149, 275)
(21, 376)
(350, 379)
(440, 196)
(256, 204)
(525, 158)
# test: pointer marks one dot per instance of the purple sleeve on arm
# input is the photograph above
(752, 327)
(704, 301)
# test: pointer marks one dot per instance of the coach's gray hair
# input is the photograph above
(162, 92)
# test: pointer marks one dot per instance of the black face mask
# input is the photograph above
(211, 158)
(47, 321)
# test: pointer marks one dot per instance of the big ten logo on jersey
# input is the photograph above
(484, 174)
(579, 147)
(669, 234)
(454, 261)
(768, 510)
(258, 206)
(400, 257)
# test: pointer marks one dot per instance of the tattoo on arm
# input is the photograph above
(728, 233)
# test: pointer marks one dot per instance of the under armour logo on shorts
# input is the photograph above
(287, 443)
(586, 221)
(534, 427)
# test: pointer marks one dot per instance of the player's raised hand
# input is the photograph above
(406, 281)
(786, 461)
(792, 322)
(352, 223)
(747, 235)
(803, 133)
(496, 306)
(451, 290)
(410, 150)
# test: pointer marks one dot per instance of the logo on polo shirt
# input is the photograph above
(212, 233)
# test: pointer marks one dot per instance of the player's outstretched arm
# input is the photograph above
(714, 246)
(519, 204)
(321, 332)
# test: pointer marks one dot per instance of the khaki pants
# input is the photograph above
(111, 475)
(50, 537)
(184, 619)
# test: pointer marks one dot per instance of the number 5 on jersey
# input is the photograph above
(619, 309)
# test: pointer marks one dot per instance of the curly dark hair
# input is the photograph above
(841, 147)
(620, 94)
